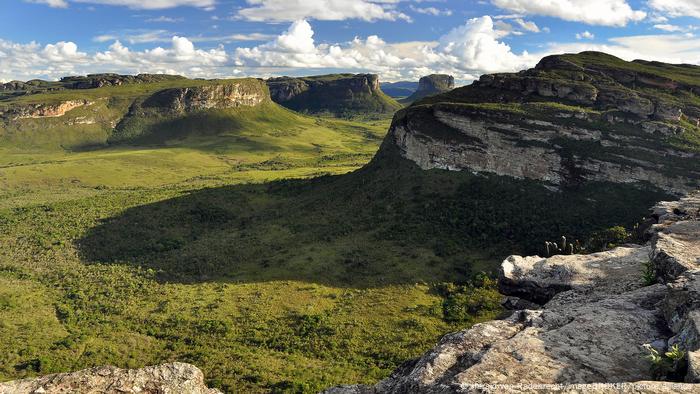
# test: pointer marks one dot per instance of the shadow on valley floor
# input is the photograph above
(387, 223)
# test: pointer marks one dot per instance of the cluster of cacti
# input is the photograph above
(563, 247)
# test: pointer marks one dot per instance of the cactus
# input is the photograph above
(563, 247)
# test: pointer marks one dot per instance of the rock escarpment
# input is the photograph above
(597, 323)
(42, 110)
(234, 94)
(572, 119)
(339, 94)
(431, 85)
(106, 116)
(146, 116)
(94, 81)
(167, 378)
(91, 81)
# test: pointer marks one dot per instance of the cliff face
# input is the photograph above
(580, 320)
(431, 85)
(92, 81)
(42, 110)
(147, 116)
(235, 94)
(341, 94)
(167, 378)
(563, 124)
(118, 115)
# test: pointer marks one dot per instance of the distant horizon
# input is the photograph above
(400, 40)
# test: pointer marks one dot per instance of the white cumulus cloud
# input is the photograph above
(52, 61)
(465, 51)
(330, 10)
(586, 35)
(676, 8)
(594, 12)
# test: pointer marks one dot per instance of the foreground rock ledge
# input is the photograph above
(162, 379)
(587, 322)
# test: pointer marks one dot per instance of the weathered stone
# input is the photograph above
(431, 85)
(463, 138)
(683, 297)
(693, 375)
(340, 94)
(539, 279)
(233, 94)
(162, 379)
(676, 248)
(43, 110)
(590, 336)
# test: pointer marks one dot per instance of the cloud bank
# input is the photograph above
(467, 51)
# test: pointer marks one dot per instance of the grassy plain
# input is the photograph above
(265, 311)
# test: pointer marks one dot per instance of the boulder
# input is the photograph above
(162, 379)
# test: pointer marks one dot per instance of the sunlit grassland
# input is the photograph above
(311, 316)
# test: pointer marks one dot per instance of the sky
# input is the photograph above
(397, 39)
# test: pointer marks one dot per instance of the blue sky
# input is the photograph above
(399, 39)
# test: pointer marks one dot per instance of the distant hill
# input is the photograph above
(401, 89)
(431, 85)
(128, 109)
(336, 94)
(91, 81)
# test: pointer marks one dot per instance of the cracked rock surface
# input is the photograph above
(590, 333)
(174, 378)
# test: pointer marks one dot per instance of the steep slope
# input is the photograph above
(401, 89)
(337, 94)
(431, 85)
(602, 316)
(572, 119)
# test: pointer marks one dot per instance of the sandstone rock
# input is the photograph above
(43, 110)
(693, 367)
(538, 279)
(570, 120)
(432, 85)
(94, 81)
(233, 94)
(341, 94)
(162, 379)
(468, 138)
(590, 335)
(676, 248)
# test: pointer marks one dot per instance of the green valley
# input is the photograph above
(266, 306)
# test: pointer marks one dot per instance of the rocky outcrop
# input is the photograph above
(234, 94)
(42, 110)
(340, 94)
(161, 379)
(432, 85)
(94, 81)
(560, 123)
(146, 116)
(597, 325)
(676, 238)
